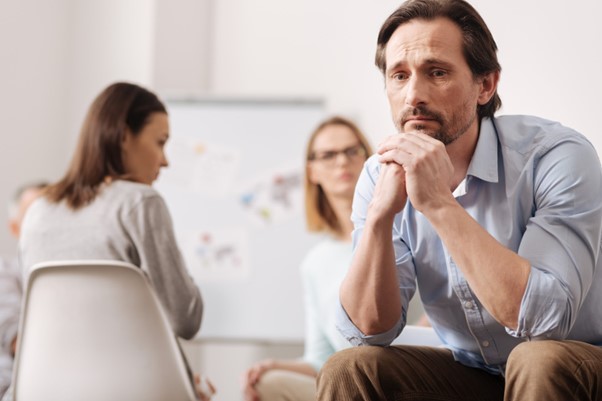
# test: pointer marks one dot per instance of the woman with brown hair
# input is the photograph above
(105, 208)
(336, 152)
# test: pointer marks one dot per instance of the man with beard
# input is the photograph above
(497, 220)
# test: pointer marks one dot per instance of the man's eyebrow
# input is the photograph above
(429, 62)
(395, 66)
(438, 61)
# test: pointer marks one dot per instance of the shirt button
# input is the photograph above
(468, 305)
(485, 343)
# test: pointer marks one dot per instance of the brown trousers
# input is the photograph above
(536, 371)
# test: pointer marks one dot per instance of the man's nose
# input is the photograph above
(416, 91)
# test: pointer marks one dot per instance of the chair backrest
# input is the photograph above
(95, 331)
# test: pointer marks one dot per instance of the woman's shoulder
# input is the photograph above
(127, 197)
(38, 209)
(129, 191)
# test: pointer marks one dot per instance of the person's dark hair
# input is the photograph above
(120, 108)
(480, 49)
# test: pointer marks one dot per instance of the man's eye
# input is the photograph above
(400, 77)
(438, 73)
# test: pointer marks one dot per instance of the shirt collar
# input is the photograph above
(484, 163)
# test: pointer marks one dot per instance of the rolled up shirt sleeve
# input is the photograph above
(357, 338)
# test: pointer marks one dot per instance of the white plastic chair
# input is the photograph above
(95, 331)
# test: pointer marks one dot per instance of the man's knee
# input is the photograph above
(554, 370)
(540, 358)
(352, 360)
(354, 373)
(359, 366)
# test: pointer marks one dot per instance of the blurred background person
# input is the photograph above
(335, 155)
(11, 284)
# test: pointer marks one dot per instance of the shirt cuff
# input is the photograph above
(357, 338)
(542, 309)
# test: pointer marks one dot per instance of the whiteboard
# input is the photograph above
(234, 187)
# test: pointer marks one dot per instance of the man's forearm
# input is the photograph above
(370, 292)
(497, 275)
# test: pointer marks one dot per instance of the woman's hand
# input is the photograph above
(252, 376)
(204, 388)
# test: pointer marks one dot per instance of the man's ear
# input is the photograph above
(488, 83)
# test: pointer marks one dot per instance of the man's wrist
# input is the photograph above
(379, 214)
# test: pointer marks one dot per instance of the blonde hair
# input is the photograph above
(319, 214)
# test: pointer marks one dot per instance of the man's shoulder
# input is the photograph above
(527, 134)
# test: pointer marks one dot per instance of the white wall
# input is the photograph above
(183, 45)
(311, 48)
(34, 55)
(109, 40)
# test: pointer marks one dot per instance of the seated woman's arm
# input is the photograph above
(152, 233)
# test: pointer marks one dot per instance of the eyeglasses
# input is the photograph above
(352, 153)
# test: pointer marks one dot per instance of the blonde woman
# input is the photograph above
(336, 152)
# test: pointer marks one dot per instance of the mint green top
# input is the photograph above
(322, 270)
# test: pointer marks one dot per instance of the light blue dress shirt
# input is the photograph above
(536, 187)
